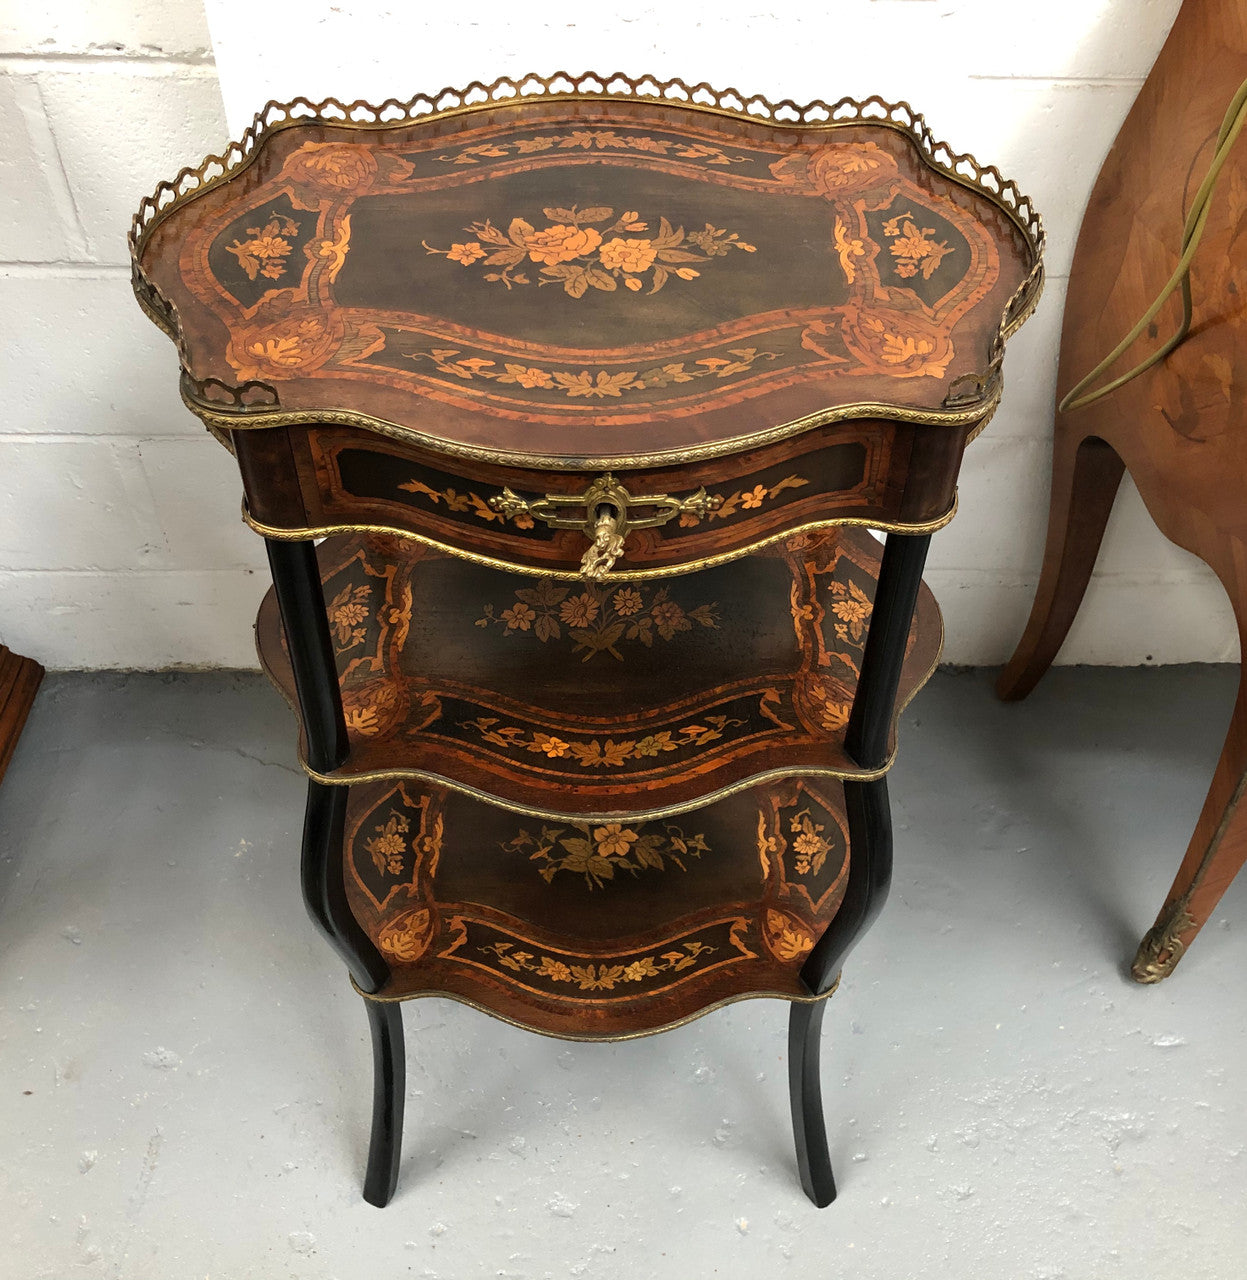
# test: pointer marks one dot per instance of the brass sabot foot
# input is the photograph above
(1162, 948)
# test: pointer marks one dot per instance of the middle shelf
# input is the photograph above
(572, 699)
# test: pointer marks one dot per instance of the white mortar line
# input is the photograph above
(173, 571)
(62, 270)
(29, 62)
(98, 437)
(1090, 81)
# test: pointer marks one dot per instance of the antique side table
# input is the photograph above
(589, 388)
(1177, 428)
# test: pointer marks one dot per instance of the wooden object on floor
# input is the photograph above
(19, 682)
(587, 391)
(1178, 428)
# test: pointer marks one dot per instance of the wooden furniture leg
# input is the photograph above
(19, 681)
(389, 1088)
(296, 582)
(1086, 474)
(1214, 857)
(805, 1026)
(869, 816)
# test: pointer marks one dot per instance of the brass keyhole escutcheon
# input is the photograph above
(604, 512)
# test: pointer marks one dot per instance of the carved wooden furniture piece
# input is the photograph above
(1177, 428)
(19, 682)
(588, 388)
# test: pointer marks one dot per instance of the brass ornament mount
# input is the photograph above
(605, 512)
(1162, 945)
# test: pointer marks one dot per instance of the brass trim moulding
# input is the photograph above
(606, 815)
(217, 421)
(968, 398)
(574, 575)
(629, 1035)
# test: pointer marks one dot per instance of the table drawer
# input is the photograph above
(670, 517)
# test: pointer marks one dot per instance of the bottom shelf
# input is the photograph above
(596, 930)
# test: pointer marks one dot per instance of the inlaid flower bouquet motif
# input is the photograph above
(912, 247)
(808, 843)
(265, 253)
(597, 852)
(598, 619)
(574, 252)
(852, 608)
(388, 846)
(349, 612)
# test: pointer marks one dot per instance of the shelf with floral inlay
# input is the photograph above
(583, 699)
(596, 930)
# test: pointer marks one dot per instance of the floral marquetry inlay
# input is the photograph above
(266, 251)
(595, 140)
(598, 620)
(598, 977)
(462, 898)
(913, 248)
(597, 852)
(592, 384)
(579, 250)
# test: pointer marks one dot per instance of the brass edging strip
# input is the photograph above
(630, 1035)
(624, 575)
(861, 411)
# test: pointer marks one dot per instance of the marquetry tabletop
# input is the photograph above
(557, 276)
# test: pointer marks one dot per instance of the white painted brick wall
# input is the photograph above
(120, 543)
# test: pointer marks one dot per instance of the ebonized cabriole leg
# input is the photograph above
(325, 895)
(389, 1090)
(296, 581)
(870, 848)
(805, 1026)
(324, 891)
(896, 596)
(870, 875)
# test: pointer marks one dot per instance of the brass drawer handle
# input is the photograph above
(605, 512)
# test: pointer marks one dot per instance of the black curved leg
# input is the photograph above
(870, 876)
(389, 1085)
(296, 580)
(805, 1026)
(870, 849)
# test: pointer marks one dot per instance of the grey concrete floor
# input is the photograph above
(184, 1071)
